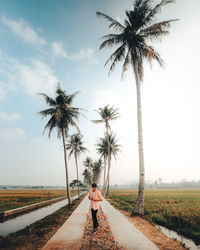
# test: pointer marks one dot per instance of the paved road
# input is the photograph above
(124, 231)
(70, 235)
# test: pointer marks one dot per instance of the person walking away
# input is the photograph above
(95, 197)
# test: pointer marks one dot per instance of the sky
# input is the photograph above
(46, 42)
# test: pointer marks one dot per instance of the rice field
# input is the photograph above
(10, 199)
(177, 209)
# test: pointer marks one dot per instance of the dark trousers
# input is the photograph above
(94, 218)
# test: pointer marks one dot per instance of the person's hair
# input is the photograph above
(94, 185)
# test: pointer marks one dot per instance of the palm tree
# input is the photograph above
(133, 38)
(115, 148)
(97, 169)
(88, 163)
(75, 145)
(102, 150)
(107, 114)
(62, 116)
(87, 176)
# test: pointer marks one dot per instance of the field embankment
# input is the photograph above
(177, 209)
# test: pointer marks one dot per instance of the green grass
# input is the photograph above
(177, 209)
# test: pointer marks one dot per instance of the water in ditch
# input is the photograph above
(21, 221)
(189, 244)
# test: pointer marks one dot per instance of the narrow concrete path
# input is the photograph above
(71, 233)
(124, 231)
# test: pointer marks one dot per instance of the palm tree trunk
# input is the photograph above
(139, 207)
(108, 182)
(66, 167)
(77, 173)
(104, 177)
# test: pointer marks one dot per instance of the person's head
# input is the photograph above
(94, 186)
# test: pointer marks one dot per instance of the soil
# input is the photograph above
(36, 235)
(102, 238)
(151, 232)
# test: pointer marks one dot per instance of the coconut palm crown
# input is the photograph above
(102, 145)
(97, 169)
(134, 34)
(75, 145)
(88, 162)
(62, 114)
(107, 114)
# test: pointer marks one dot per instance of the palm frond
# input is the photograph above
(46, 112)
(113, 23)
(70, 98)
(152, 54)
(117, 55)
(156, 30)
(50, 101)
(111, 39)
(125, 64)
(51, 124)
(154, 11)
(70, 153)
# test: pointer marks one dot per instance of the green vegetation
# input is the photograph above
(10, 199)
(176, 209)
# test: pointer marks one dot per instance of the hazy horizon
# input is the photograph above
(50, 41)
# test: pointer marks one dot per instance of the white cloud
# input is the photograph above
(58, 49)
(36, 78)
(33, 77)
(85, 54)
(9, 117)
(24, 31)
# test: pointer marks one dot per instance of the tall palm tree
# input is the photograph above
(107, 114)
(133, 38)
(97, 169)
(62, 116)
(87, 176)
(75, 145)
(115, 148)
